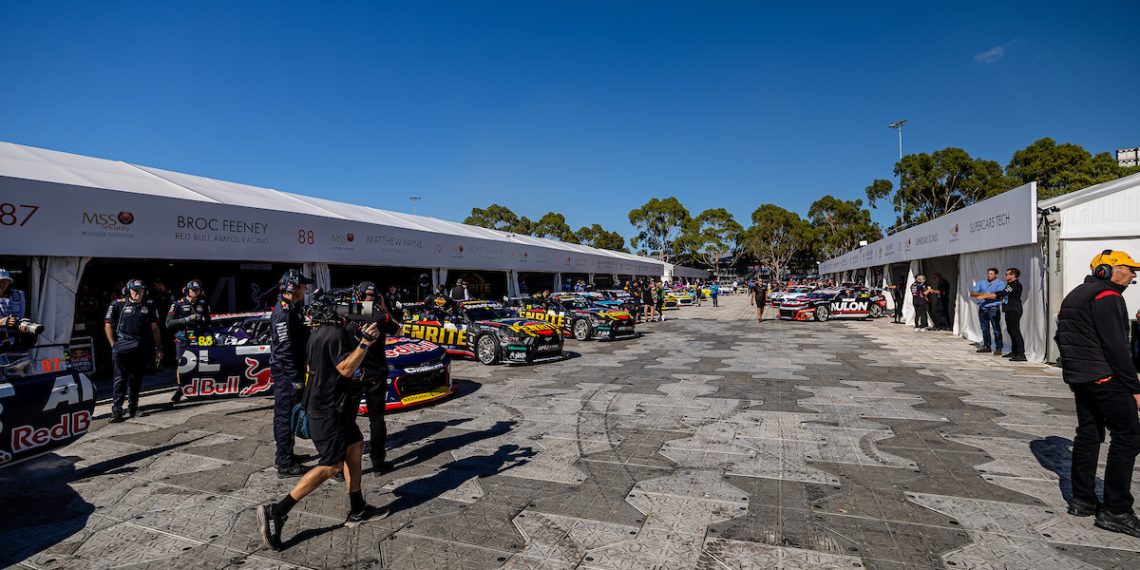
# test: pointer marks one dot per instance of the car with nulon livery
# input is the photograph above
(45, 404)
(232, 360)
(484, 330)
(776, 298)
(574, 316)
(826, 304)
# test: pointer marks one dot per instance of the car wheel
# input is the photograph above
(822, 314)
(581, 329)
(876, 311)
(487, 349)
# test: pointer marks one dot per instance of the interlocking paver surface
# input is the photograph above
(712, 441)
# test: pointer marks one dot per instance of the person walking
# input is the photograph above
(374, 374)
(659, 300)
(758, 296)
(184, 318)
(918, 296)
(897, 295)
(1097, 365)
(131, 326)
(989, 311)
(714, 293)
(647, 301)
(287, 339)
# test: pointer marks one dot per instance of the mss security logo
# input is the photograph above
(109, 221)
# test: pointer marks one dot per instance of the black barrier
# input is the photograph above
(43, 412)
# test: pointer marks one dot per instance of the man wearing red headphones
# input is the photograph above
(1096, 361)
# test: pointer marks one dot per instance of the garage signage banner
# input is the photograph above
(1006, 220)
(53, 219)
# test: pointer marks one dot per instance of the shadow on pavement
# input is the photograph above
(1055, 453)
(452, 443)
(40, 509)
(415, 493)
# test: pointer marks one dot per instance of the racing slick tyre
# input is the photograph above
(487, 349)
(876, 311)
(822, 314)
(581, 328)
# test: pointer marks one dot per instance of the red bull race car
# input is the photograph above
(826, 304)
(574, 316)
(484, 330)
(44, 405)
(233, 361)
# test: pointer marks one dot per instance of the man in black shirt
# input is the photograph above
(332, 398)
(374, 373)
(1011, 305)
(131, 326)
(918, 292)
(1095, 362)
(758, 294)
(287, 339)
(184, 318)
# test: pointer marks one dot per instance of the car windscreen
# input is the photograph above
(486, 312)
(571, 303)
(820, 295)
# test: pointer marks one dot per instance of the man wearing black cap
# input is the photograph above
(184, 318)
(287, 340)
(1097, 365)
(374, 374)
(131, 326)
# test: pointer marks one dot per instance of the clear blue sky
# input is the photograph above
(586, 108)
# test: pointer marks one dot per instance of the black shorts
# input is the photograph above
(332, 435)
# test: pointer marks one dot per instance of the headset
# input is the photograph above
(1103, 271)
(129, 285)
(192, 284)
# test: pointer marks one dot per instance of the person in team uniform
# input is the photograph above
(131, 326)
(374, 374)
(287, 338)
(918, 298)
(186, 318)
(13, 307)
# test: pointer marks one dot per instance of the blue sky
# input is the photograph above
(585, 108)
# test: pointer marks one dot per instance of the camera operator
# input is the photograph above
(287, 338)
(131, 324)
(374, 371)
(183, 318)
(333, 395)
(13, 305)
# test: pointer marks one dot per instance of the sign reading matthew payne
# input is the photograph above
(1006, 220)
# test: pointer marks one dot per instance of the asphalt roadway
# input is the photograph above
(712, 441)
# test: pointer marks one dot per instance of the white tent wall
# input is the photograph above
(886, 282)
(54, 281)
(1076, 256)
(973, 266)
(319, 272)
(908, 306)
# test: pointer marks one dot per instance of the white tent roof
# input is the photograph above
(172, 215)
(1107, 210)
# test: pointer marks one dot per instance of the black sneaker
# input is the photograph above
(117, 418)
(983, 349)
(1018, 358)
(1079, 508)
(1125, 523)
(288, 471)
(379, 469)
(997, 352)
(354, 519)
(270, 527)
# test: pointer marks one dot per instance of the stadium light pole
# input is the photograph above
(898, 125)
(414, 200)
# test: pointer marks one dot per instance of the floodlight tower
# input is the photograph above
(898, 125)
(414, 200)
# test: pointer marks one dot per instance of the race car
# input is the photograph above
(232, 360)
(484, 330)
(599, 300)
(827, 304)
(680, 298)
(44, 406)
(621, 296)
(573, 316)
(777, 298)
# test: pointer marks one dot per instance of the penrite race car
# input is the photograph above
(484, 330)
(827, 304)
(44, 406)
(232, 360)
(574, 316)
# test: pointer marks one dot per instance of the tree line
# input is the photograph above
(929, 186)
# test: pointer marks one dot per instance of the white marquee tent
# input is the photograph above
(63, 209)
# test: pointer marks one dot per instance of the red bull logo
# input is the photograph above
(261, 379)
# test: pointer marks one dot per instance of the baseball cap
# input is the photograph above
(1113, 258)
(135, 284)
(194, 285)
(4, 276)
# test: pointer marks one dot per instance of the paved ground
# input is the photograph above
(711, 442)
